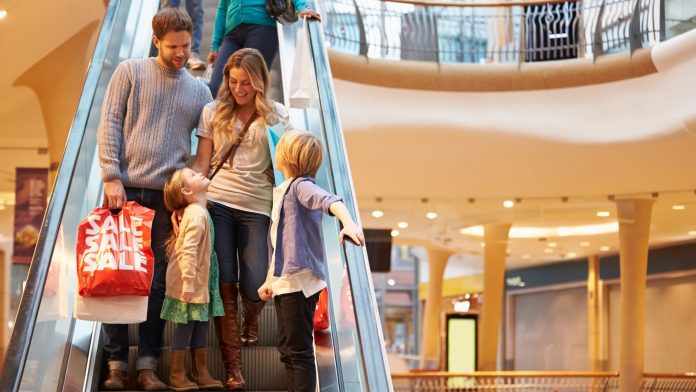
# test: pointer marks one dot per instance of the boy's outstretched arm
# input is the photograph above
(350, 229)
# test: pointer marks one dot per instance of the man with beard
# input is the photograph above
(150, 108)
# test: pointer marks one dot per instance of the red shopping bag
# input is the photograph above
(114, 256)
(321, 314)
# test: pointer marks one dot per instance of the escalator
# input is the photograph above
(51, 351)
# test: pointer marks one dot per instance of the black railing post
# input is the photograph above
(635, 38)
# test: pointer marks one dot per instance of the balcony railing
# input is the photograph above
(512, 31)
(536, 381)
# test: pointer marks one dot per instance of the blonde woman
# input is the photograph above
(240, 196)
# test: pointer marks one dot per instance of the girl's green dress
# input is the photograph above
(182, 312)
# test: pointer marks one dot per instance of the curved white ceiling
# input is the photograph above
(633, 136)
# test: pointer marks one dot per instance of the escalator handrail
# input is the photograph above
(371, 343)
(27, 313)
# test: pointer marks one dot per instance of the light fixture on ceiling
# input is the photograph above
(678, 207)
(603, 214)
(402, 225)
(432, 215)
(395, 233)
(483, 244)
(526, 257)
(604, 248)
(391, 282)
(3, 14)
(552, 244)
(548, 250)
(570, 255)
(377, 214)
(585, 244)
(692, 232)
(508, 204)
(549, 232)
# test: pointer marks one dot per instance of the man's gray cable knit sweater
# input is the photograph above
(147, 117)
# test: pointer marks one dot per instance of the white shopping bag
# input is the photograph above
(111, 310)
(207, 75)
(303, 90)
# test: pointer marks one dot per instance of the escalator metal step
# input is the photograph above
(268, 330)
(262, 368)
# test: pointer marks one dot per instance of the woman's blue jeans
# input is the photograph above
(241, 244)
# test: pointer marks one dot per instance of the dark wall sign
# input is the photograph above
(31, 193)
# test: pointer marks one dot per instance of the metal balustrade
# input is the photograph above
(537, 382)
(491, 32)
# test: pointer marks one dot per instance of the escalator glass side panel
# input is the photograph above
(360, 358)
(370, 340)
(44, 330)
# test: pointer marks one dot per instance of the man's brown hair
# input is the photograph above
(170, 19)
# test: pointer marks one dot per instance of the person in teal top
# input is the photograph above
(245, 24)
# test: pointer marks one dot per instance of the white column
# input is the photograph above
(593, 313)
(634, 233)
(437, 261)
(495, 237)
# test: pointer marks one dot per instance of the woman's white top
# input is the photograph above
(244, 185)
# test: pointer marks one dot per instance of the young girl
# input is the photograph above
(296, 273)
(192, 296)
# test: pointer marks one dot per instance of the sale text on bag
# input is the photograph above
(114, 238)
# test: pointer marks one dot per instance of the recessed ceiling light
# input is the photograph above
(548, 250)
(570, 255)
(431, 215)
(483, 244)
(395, 233)
(604, 248)
(402, 225)
(3, 14)
(526, 257)
(508, 204)
(549, 232)
(377, 214)
(585, 243)
(552, 244)
(692, 232)
(2, 207)
(603, 214)
(678, 207)
(391, 282)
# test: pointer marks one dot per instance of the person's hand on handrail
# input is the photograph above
(309, 14)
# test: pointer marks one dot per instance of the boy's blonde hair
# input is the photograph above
(300, 152)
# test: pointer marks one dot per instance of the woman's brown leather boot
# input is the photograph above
(251, 310)
(200, 373)
(227, 328)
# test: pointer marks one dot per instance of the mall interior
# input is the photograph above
(523, 170)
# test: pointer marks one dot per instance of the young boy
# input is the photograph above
(296, 273)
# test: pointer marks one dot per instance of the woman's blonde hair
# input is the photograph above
(300, 152)
(174, 199)
(252, 62)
